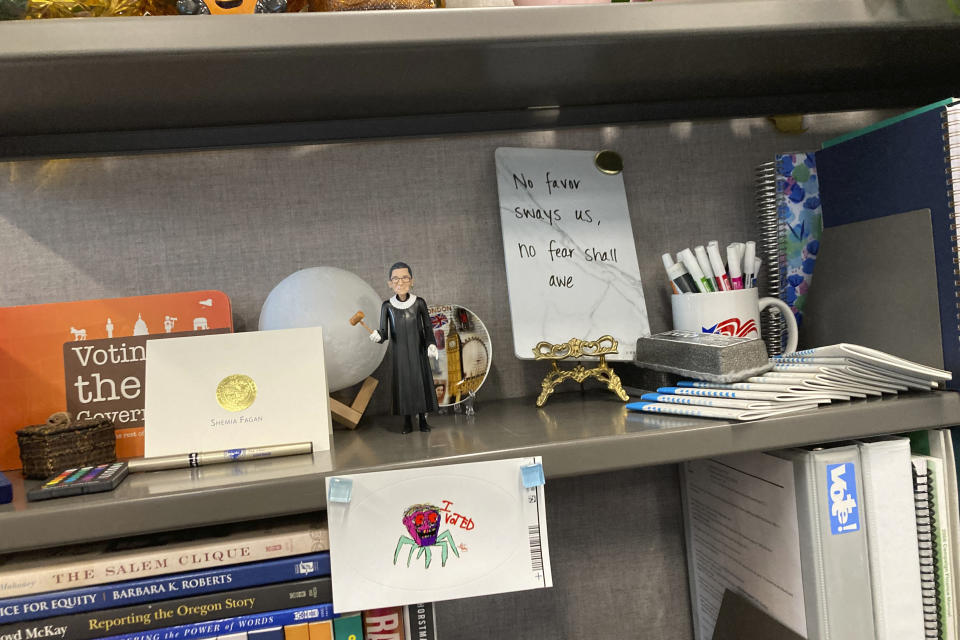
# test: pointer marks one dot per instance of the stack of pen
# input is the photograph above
(703, 271)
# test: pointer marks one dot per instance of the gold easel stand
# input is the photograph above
(349, 416)
(577, 348)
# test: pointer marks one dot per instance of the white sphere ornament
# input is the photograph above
(328, 297)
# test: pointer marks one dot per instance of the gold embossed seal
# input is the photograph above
(236, 392)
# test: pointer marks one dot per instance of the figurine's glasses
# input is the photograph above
(399, 279)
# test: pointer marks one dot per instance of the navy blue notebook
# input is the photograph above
(904, 166)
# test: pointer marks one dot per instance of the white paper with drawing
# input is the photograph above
(437, 533)
(568, 244)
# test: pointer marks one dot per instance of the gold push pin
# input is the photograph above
(608, 162)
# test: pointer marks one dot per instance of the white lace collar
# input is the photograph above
(411, 298)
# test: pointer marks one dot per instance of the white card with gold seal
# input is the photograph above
(236, 390)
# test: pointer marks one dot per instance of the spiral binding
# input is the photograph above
(951, 151)
(770, 251)
(927, 547)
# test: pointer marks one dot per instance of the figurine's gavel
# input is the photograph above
(357, 318)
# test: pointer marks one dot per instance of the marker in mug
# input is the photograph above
(681, 280)
(667, 263)
(749, 256)
(756, 269)
(704, 262)
(740, 249)
(733, 263)
(716, 263)
(690, 262)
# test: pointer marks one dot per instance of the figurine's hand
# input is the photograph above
(432, 352)
(375, 336)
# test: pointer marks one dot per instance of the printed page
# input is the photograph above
(742, 533)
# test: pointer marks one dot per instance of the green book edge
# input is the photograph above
(348, 627)
(887, 122)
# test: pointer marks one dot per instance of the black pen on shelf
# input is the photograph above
(203, 458)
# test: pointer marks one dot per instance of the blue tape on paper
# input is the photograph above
(6, 490)
(532, 475)
(340, 490)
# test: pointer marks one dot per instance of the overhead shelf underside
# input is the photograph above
(660, 60)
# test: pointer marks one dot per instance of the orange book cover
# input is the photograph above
(37, 340)
(296, 632)
(322, 630)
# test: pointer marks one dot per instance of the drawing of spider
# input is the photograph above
(423, 523)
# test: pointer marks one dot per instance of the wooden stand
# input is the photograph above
(349, 416)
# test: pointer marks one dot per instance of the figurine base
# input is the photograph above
(467, 406)
(349, 416)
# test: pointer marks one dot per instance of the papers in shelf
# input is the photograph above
(798, 382)
(878, 359)
(701, 411)
(771, 398)
(760, 384)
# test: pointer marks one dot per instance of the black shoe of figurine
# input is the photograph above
(407, 425)
(423, 424)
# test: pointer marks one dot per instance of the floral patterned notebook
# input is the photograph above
(788, 201)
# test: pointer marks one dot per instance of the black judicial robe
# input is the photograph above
(410, 333)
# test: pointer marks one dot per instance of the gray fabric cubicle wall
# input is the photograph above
(241, 220)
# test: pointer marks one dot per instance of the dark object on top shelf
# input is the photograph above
(6, 490)
(62, 443)
(226, 7)
(13, 9)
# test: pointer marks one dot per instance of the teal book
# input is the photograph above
(348, 626)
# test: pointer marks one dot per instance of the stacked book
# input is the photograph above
(797, 382)
(266, 580)
(263, 581)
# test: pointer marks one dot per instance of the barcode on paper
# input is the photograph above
(536, 552)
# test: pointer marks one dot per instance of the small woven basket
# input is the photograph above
(50, 448)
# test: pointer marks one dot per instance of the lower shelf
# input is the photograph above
(577, 434)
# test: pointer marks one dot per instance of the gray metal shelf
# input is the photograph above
(575, 434)
(180, 81)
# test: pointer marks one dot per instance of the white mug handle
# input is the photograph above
(787, 313)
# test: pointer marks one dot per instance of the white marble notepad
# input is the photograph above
(570, 254)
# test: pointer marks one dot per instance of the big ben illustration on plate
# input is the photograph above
(464, 339)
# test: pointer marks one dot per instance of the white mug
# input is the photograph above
(730, 313)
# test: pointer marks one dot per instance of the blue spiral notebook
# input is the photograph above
(910, 164)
